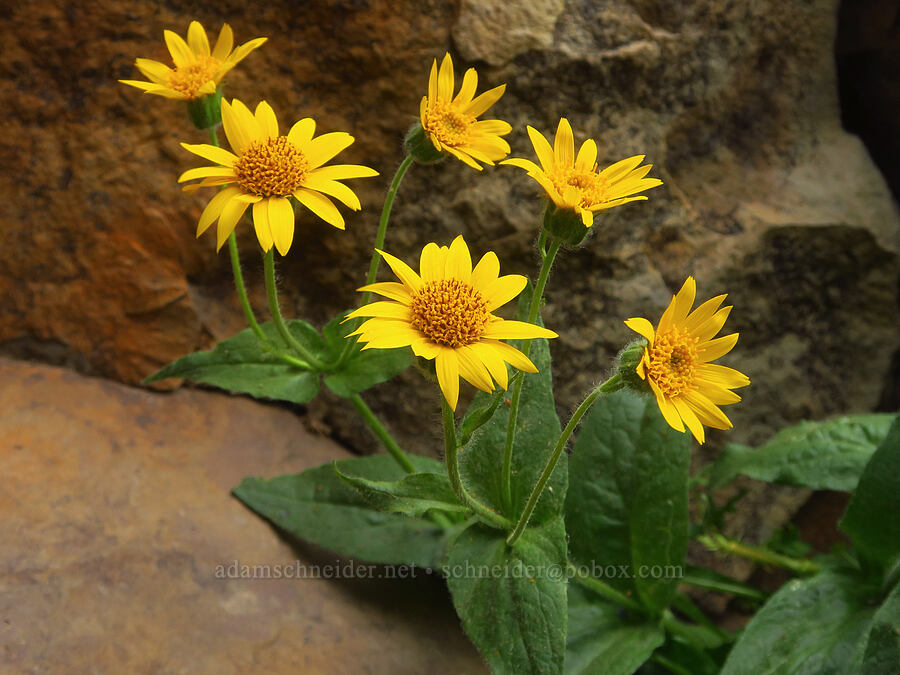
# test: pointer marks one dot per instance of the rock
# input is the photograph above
(497, 31)
(118, 529)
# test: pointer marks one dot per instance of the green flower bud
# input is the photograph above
(565, 224)
(420, 147)
(206, 112)
(626, 365)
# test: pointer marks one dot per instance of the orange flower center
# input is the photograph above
(188, 79)
(450, 312)
(590, 188)
(672, 359)
(447, 123)
(271, 167)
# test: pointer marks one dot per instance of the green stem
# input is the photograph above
(612, 384)
(490, 517)
(275, 310)
(533, 310)
(603, 589)
(236, 266)
(382, 433)
(720, 543)
(379, 244)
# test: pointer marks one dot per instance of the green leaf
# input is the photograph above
(319, 507)
(365, 368)
(827, 455)
(815, 626)
(871, 519)
(882, 654)
(538, 430)
(712, 580)
(605, 640)
(414, 494)
(627, 508)
(512, 600)
(241, 364)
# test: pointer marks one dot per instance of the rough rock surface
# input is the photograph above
(115, 514)
(735, 103)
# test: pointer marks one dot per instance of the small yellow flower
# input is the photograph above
(573, 182)
(198, 71)
(676, 362)
(445, 315)
(266, 169)
(451, 122)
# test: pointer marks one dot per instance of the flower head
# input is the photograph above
(267, 169)
(573, 181)
(676, 362)
(198, 70)
(451, 123)
(445, 314)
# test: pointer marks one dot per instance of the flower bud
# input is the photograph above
(565, 224)
(626, 366)
(420, 147)
(206, 112)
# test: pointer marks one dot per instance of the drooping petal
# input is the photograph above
(473, 370)
(262, 226)
(332, 188)
(229, 218)
(708, 413)
(666, 408)
(446, 366)
(510, 354)
(321, 205)
(281, 221)
(689, 417)
(492, 360)
(214, 208)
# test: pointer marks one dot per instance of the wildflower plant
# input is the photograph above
(554, 563)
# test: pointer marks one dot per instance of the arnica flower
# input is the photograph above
(676, 362)
(266, 169)
(451, 123)
(573, 182)
(198, 71)
(444, 314)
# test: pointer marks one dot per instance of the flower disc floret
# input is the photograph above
(450, 312)
(271, 167)
(189, 79)
(671, 362)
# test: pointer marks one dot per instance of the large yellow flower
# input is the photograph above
(266, 169)
(450, 122)
(676, 362)
(198, 71)
(445, 315)
(573, 182)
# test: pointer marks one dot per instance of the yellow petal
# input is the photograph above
(343, 172)
(510, 354)
(238, 137)
(228, 219)
(281, 221)
(515, 330)
(502, 290)
(467, 90)
(325, 147)
(197, 40)
(492, 360)
(384, 309)
(708, 413)
(181, 54)
(678, 309)
(564, 144)
(224, 43)
(321, 206)
(526, 164)
(207, 172)
(459, 261)
(486, 271)
(710, 351)
(432, 262)
(266, 119)
(713, 325)
(473, 370)
(212, 153)
(247, 120)
(642, 327)
(485, 101)
(669, 413)
(445, 79)
(690, 419)
(333, 189)
(703, 312)
(262, 226)
(716, 393)
(433, 81)
(154, 70)
(615, 171)
(390, 289)
(723, 375)
(403, 271)
(214, 209)
(241, 52)
(541, 148)
(587, 155)
(302, 132)
(446, 366)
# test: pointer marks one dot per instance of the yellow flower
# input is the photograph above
(198, 71)
(267, 169)
(573, 182)
(450, 122)
(445, 315)
(676, 362)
